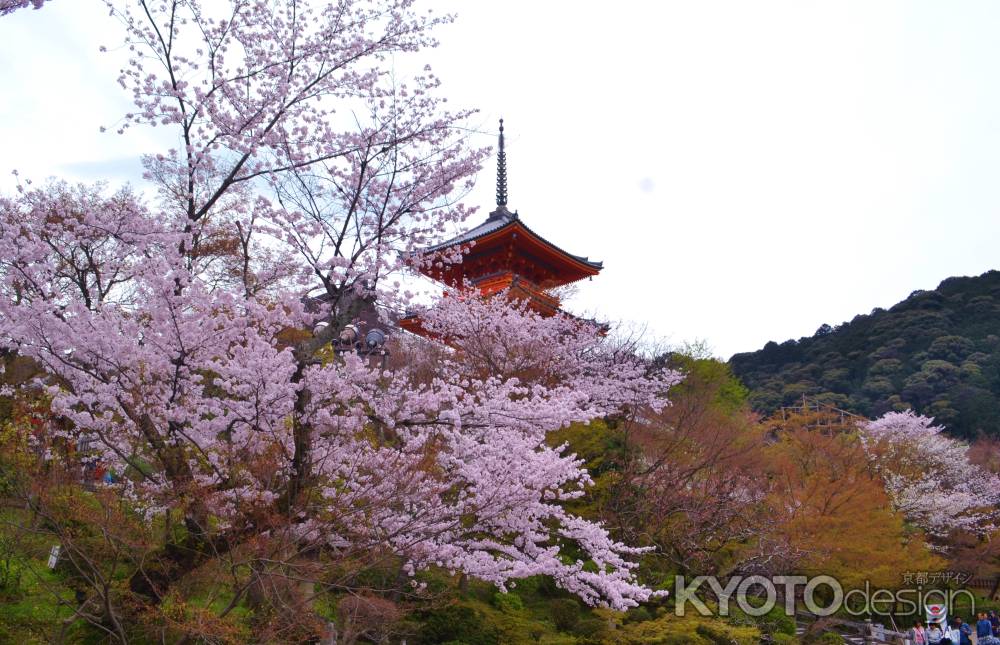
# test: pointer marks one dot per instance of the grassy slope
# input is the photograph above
(30, 594)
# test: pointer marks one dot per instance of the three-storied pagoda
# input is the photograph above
(504, 254)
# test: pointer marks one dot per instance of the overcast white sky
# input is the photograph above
(746, 170)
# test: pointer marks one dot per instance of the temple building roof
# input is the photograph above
(504, 244)
(497, 223)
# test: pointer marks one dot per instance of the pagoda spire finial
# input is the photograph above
(501, 173)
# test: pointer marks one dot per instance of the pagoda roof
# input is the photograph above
(503, 245)
(502, 219)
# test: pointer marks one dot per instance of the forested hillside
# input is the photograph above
(937, 352)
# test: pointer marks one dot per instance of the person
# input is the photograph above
(963, 631)
(934, 634)
(983, 627)
(949, 636)
(918, 635)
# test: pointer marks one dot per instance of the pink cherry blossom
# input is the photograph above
(9, 6)
(929, 476)
(189, 337)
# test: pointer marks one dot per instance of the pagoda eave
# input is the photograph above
(514, 247)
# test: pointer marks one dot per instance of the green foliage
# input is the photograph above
(36, 601)
(11, 568)
(773, 622)
(456, 623)
(784, 639)
(937, 352)
(729, 393)
(777, 622)
(604, 450)
(508, 602)
(591, 630)
(9, 474)
(565, 613)
(721, 635)
(532, 624)
(691, 630)
(15, 456)
(528, 614)
(638, 614)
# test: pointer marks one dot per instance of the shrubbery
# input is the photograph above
(565, 613)
(11, 568)
(455, 623)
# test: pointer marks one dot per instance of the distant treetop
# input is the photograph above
(936, 352)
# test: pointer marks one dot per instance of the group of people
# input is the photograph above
(986, 629)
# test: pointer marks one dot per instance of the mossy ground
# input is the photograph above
(34, 600)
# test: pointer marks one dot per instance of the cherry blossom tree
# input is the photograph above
(929, 476)
(190, 339)
(10, 6)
